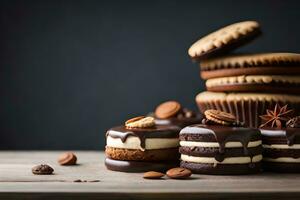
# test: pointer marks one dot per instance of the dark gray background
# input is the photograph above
(72, 69)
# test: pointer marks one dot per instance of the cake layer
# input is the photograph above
(220, 134)
(133, 142)
(141, 135)
(288, 136)
(217, 145)
(217, 169)
(277, 153)
(282, 160)
(228, 160)
(215, 152)
(136, 166)
(139, 155)
(281, 167)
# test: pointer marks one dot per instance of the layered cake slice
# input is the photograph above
(141, 146)
(281, 141)
(220, 146)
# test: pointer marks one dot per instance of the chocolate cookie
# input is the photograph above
(247, 107)
(251, 64)
(224, 40)
(281, 149)
(216, 149)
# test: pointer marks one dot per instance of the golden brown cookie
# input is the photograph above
(224, 40)
(167, 109)
(251, 64)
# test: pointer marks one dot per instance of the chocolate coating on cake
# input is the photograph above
(221, 135)
(143, 133)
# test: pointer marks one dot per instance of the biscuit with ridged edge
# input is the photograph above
(224, 40)
(251, 64)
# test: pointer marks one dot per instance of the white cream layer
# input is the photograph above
(135, 143)
(215, 144)
(281, 146)
(230, 160)
(283, 159)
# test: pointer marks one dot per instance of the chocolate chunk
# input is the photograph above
(42, 170)
(67, 158)
(179, 173)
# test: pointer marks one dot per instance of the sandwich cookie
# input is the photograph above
(255, 83)
(141, 145)
(220, 146)
(252, 64)
(172, 113)
(224, 40)
(281, 141)
(246, 107)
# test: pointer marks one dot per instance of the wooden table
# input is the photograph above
(17, 181)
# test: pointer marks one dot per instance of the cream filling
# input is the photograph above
(283, 159)
(230, 160)
(135, 143)
(216, 144)
(252, 79)
(281, 146)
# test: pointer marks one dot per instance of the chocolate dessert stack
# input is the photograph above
(140, 145)
(245, 85)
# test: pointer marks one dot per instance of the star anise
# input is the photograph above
(277, 117)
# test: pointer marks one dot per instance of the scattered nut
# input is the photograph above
(42, 170)
(67, 158)
(167, 109)
(179, 173)
(153, 175)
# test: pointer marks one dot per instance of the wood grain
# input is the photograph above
(17, 181)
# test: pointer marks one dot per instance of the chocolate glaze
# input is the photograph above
(224, 134)
(289, 136)
(137, 166)
(142, 133)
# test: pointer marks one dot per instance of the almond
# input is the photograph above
(167, 109)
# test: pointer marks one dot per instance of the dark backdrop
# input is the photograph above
(72, 69)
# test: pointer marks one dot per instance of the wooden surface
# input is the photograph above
(17, 181)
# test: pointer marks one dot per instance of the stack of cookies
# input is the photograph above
(245, 85)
